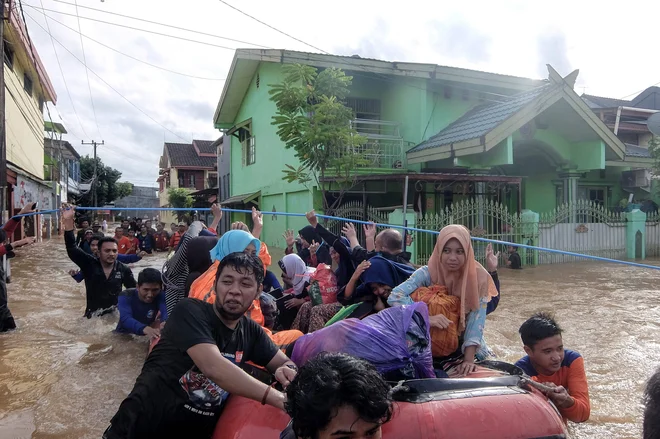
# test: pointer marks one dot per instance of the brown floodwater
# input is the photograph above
(63, 376)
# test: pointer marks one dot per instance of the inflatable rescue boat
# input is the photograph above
(489, 403)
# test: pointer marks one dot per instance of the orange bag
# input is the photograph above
(443, 341)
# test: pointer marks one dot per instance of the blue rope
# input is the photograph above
(394, 226)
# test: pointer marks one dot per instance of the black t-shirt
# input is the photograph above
(171, 396)
(516, 263)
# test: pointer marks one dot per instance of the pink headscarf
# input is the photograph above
(470, 282)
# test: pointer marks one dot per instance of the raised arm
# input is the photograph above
(76, 254)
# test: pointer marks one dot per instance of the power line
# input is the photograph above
(66, 85)
(162, 24)
(138, 29)
(127, 55)
(89, 86)
(639, 91)
(106, 83)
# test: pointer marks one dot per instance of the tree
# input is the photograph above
(654, 150)
(179, 198)
(107, 187)
(313, 120)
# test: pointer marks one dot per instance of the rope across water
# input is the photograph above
(394, 226)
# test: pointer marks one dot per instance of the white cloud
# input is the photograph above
(611, 47)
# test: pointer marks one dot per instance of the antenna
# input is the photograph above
(653, 124)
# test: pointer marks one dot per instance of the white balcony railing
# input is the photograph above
(384, 147)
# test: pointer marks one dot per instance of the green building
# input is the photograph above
(458, 135)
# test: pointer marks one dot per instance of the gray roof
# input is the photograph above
(637, 151)
(603, 102)
(481, 120)
(184, 154)
(205, 146)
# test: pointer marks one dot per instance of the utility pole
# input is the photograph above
(94, 178)
(3, 144)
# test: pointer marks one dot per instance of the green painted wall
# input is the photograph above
(297, 202)
(539, 194)
(266, 173)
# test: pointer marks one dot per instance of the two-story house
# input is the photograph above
(191, 166)
(27, 89)
(61, 169)
(143, 197)
(627, 120)
(457, 134)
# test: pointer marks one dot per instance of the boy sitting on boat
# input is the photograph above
(562, 370)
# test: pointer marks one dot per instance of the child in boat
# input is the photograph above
(652, 411)
(139, 307)
(453, 267)
(549, 363)
(335, 395)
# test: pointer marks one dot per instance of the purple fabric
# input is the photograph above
(394, 339)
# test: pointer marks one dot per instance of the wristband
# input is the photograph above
(263, 400)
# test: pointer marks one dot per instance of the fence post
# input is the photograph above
(635, 234)
(530, 234)
(396, 218)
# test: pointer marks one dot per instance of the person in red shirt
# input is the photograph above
(562, 370)
(161, 238)
(123, 243)
(176, 237)
(134, 243)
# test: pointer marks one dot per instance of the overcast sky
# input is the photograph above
(612, 47)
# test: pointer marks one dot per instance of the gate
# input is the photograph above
(484, 218)
(356, 210)
(582, 227)
(653, 234)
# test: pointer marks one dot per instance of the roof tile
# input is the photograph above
(481, 120)
(184, 154)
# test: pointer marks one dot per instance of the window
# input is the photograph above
(9, 55)
(27, 84)
(365, 109)
(248, 147)
(191, 180)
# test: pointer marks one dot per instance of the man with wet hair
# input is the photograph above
(104, 275)
(197, 362)
(652, 410)
(139, 307)
(337, 395)
(562, 370)
(94, 246)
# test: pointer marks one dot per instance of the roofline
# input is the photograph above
(397, 69)
(537, 106)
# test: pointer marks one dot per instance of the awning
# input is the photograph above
(241, 199)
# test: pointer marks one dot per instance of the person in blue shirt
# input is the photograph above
(139, 307)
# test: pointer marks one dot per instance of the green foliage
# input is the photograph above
(312, 120)
(124, 189)
(654, 149)
(179, 198)
(107, 187)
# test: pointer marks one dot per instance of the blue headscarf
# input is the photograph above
(384, 271)
(232, 242)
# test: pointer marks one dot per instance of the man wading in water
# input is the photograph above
(104, 275)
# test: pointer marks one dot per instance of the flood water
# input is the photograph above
(63, 376)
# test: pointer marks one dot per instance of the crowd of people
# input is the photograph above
(217, 312)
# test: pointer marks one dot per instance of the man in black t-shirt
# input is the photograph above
(197, 363)
(514, 258)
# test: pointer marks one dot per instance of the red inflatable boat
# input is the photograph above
(487, 404)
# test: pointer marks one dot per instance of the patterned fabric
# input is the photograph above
(311, 318)
(443, 341)
(175, 270)
(475, 322)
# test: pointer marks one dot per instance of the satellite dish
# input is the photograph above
(653, 123)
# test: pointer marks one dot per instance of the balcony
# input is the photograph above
(384, 148)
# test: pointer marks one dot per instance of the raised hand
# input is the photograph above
(311, 218)
(314, 246)
(349, 231)
(68, 211)
(491, 258)
(257, 217)
(369, 230)
(216, 211)
(289, 238)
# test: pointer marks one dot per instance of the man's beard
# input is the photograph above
(228, 315)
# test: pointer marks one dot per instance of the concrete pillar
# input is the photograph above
(529, 236)
(635, 234)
